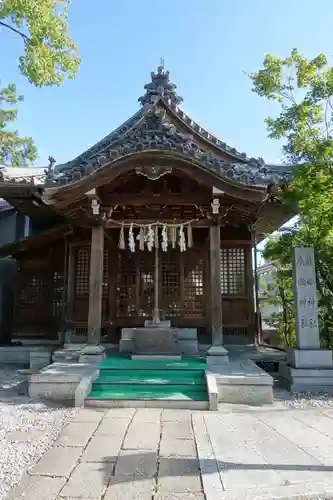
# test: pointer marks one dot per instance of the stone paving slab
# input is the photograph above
(179, 475)
(152, 415)
(145, 454)
(89, 415)
(37, 488)
(89, 480)
(180, 496)
(125, 488)
(176, 415)
(120, 413)
(182, 430)
(113, 426)
(142, 435)
(103, 448)
(137, 463)
(59, 461)
(76, 434)
(177, 447)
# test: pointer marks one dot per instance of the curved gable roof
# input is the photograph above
(162, 124)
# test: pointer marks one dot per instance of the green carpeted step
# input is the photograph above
(148, 387)
(121, 362)
(137, 393)
(184, 377)
(121, 378)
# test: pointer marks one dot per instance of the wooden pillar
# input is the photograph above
(96, 285)
(70, 276)
(215, 281)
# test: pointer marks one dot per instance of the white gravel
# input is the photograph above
(27, 429)
(304, 400)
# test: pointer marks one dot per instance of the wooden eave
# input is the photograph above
(26, 199)
(33, 242)
(270, 218)
(67, 194)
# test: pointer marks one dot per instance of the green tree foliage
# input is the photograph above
(280, 295)
(303, 88)
(49, 56)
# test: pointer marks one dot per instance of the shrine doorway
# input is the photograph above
(181, 281)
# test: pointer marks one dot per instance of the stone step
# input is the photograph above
(118, 362)
(147, 403)
(161, 377)
(148, 390)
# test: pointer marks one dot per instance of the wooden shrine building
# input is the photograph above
(157, 220)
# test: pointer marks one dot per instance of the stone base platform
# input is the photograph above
(66, 383)
(307, 379)
(185, 338)
(243, 382)
(308, 370)
(35, 356)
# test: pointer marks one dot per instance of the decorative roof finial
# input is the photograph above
(160, 86)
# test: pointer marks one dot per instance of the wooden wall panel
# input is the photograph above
(40, 300)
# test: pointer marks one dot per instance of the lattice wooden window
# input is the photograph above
(82, 272)
(170, 283)
(194, 285)
(58, 294)
(233, 271)
(126, 285)
(106, 273)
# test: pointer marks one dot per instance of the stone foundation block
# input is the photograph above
(243, 382)
(307, 379)
(39, 359)
(92, 354)
(310, 358)
(59, 381)
(20, 354)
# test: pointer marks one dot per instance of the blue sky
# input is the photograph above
(206, 44)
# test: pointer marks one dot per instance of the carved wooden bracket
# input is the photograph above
(153, 172)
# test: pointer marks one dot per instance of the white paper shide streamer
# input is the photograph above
(150, 238)
(164, 243)
(156, 235)
(182, 241)
(131, 241)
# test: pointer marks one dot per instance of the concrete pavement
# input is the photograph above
(145, 454)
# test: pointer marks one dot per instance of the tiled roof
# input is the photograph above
(152, 127)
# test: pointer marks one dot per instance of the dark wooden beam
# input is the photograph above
(96, 285)
(162, 199)
(215, 278)
(198, 223)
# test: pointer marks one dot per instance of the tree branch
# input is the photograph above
(18, 32)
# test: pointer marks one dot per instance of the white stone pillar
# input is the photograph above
(308, 368)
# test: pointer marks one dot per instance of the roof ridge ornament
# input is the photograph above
(160, 86)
